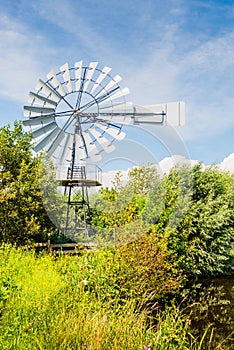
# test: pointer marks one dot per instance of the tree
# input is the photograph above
(117, 206)
(143, 179)
(194, 210)
(209, 222)
(23, 218)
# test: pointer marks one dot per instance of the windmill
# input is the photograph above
(79, 113)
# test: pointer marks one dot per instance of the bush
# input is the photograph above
(149, 270)
(194, 209)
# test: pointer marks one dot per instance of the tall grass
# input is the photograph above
(49, 303)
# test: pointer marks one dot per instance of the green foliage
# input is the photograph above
(143, 179)
(194, 209)
(209, 222)
(23, 218)
(53, 200)
(148, 270)
(117, 207)
(65, 303)
(169, 199)
(15, 147)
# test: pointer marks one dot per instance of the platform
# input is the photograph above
(79, 182)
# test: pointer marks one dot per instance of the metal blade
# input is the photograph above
(66, 149)
(40, 121)
(53, 79)
(95, 157)
(44, 130)
(41, 100)
(45, 142)
(111, 84)
(80, 152)
(48, 91)
(100, 78)
(78, 71)
(92, 149)
(116, 133)
(56, 147)
(91, 70)
(118, 94)
(103, 141)
(108, 147)
(66, 76)
(30, 111)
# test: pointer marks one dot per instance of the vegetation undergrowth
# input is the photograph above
(69, 303)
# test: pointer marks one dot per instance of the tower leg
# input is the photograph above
(78, 209)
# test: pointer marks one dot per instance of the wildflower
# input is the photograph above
(85, 282)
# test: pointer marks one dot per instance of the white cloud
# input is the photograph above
(228, 163)
(215, 55)
(165, 165)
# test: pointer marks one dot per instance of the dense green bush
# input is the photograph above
(116, 208)
(191, 208)
(149, 269)
(203, 234)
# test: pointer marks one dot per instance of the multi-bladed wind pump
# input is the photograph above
(76, 115)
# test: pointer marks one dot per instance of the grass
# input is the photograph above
(66, 303)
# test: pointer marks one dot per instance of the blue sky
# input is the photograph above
(165, 51)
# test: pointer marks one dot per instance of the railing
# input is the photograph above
(81, 171)
(61, 248)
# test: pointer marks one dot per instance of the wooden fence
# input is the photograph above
(61, 248)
